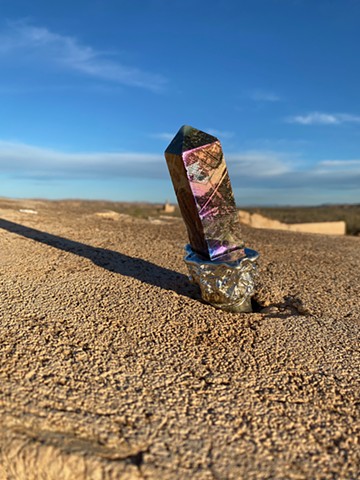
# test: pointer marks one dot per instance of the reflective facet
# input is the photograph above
(202, 185)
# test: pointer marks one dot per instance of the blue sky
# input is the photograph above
(92, 91)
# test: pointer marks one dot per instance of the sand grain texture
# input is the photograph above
(111, 367)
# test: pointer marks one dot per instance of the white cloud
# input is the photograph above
(340, 163)
(319, 118)
(263, 96)
(220, 133)
(261, 170)
(29, 160)
(23, 41)
(339, 169)
(167, 136)
(260, 164)
(36, 162)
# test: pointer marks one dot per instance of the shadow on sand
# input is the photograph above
(137, 268)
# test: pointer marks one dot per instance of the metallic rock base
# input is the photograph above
(225, 285)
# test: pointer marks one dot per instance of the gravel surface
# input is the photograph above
(112, 367)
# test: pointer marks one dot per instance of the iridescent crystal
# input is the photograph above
(202, 185)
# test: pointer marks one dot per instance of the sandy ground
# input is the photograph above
(111, 367)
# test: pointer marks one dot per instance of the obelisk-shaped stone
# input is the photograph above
(202, 185)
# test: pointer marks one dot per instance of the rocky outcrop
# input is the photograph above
(168, 208)
(259, 221)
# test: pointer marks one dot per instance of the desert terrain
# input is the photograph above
(350, 214)
(113, 368)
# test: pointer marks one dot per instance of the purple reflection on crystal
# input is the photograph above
(209, 182)
(202, 185)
